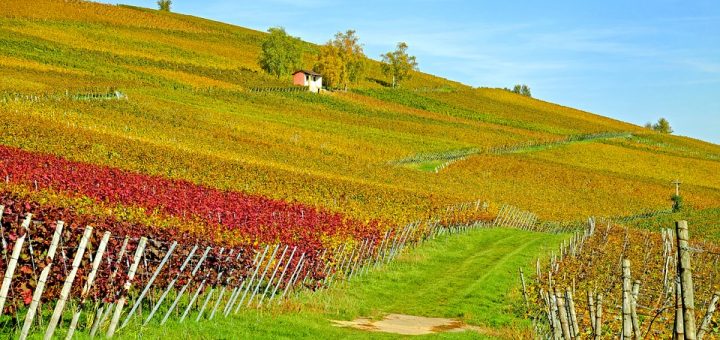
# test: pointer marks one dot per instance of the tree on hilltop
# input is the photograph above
(281, 53)
(164, 5)
(398, 63)
(662, 126)
(523, 90)
(341, 61)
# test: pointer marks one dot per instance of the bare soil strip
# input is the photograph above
(409, 325)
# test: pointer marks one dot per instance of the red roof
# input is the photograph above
(311, 73)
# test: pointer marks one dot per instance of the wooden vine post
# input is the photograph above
(524, 290)
(37, 295)
(252, 278)
(77, 309)
(275, 272)
(705, 325)
(591, 309)
(65, 292)
(598, 317)
(10, 271)
(171, 284)
(149, 284)
(633, 309)
(686, 282)
(187, 284)
(679, 331)
(262, 277)
(627, 328)
(573, 316)
(563, 314)
(293, 277)
(123, 298)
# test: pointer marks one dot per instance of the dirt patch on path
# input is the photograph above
(410, 325)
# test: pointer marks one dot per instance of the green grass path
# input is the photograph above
(471, 277)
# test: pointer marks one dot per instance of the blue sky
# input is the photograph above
(632, 60)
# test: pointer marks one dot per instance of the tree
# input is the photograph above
(662, 126)
(525, 91)
(677, 203)
(522, 90)
(398, 63)
(341, 61)
(164, 5)
(281, 53)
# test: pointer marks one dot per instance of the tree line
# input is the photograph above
(522, 90)
(341, 60)
(662, 126)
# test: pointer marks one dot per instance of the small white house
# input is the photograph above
(311, 79)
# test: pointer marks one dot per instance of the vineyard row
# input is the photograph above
(115, 280)
(679, 298)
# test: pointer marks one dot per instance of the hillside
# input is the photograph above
(189, 115)
(150, 150)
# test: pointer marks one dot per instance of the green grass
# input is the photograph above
(428, 166)
(471, 277)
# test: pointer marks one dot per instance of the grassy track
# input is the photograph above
(470, 277)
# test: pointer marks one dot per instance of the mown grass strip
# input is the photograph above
(470, 277)
(439, 160)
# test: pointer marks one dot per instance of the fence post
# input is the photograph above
(204, 305)
(238, 287)
(294, 275)
(633, 309)
(65, 292)
(562, 313)
(131, 275)
(224, 287)
(705, 325)
(252, 278)
(187, 284)
(359, 258)
(104, 311)
(149, 284)
(171, 285)
(262, 277)
(686, 282)
(598, 317)
(626, 296)
(524, 290)
(88, 285)
(41, 282)
(10, 271)
(282, 275)
(573, 315)
(591, 310)
(272, 277)
(679, 331)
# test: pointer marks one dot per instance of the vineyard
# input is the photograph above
(188, 112)
(615, 281)
(151, 173)
(98, 264)
(173, 240)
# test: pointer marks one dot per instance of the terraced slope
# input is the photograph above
(185, 112)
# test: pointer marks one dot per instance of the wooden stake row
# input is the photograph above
(276, 271)
(561, 317)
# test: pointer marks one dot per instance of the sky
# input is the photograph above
(635, 61)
